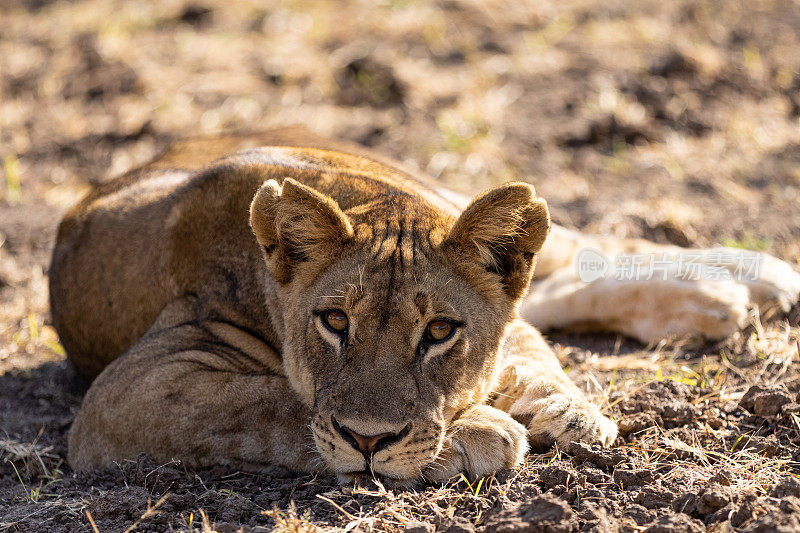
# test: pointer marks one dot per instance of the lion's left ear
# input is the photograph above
(502, 231)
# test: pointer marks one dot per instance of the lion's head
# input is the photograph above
(394, 312)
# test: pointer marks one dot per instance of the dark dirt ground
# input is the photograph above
(675, 121)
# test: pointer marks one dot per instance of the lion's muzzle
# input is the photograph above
(395, 450)
(369, 445)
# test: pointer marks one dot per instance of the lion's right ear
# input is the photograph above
(296, 224)
(501, 232)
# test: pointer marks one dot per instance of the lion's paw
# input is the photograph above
(561, 418)
(777, 283)
(483, 441)
(719, 302)
(678, 309)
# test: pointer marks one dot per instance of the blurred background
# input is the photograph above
(677, 121)
(673, 120)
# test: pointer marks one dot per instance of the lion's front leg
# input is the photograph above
(534, 390)
(187, 392)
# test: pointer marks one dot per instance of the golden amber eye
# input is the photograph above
(336, 320)
(439, 330)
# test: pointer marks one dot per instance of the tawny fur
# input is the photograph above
(191, 290)
(207, 342)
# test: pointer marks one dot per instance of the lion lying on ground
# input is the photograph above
(369, 315)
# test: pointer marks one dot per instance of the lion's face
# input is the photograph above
(390, 333)
(387, 353)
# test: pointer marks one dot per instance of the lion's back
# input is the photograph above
(106, 277)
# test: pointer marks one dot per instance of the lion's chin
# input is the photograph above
(378, 481)
(385, 474)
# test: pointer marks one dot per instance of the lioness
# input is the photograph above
(297, 301)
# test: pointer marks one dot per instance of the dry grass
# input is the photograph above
(33, 458)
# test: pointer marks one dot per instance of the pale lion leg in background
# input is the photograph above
(679, 293)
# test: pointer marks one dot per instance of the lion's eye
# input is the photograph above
(439, 330)
(335, 320)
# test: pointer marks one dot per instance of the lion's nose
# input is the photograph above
(369, 444)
